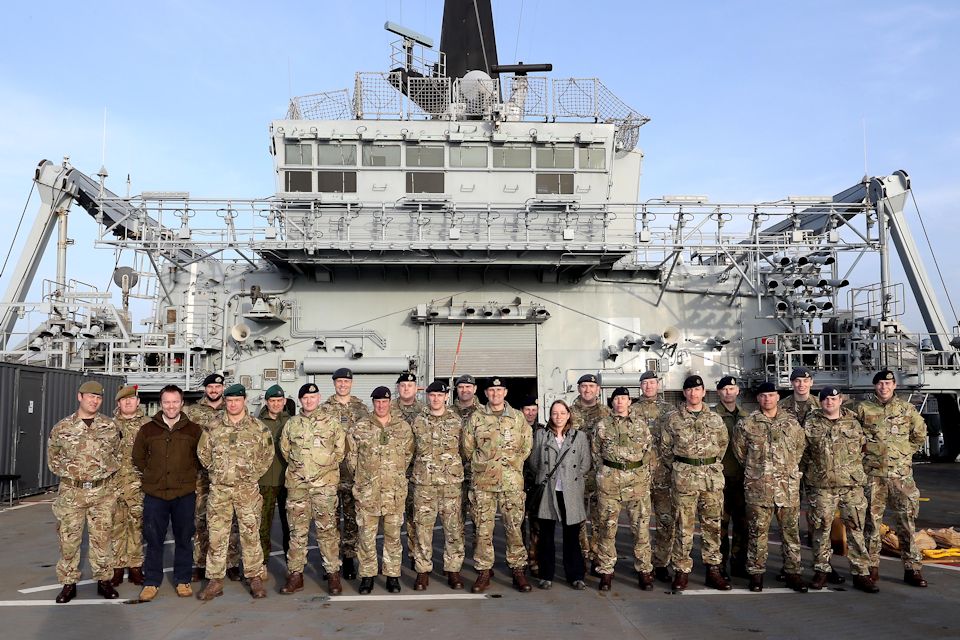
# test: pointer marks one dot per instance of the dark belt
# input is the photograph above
(623, 466)
(695, 462)
(79, 484)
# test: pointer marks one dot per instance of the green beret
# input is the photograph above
(276, 391)
(126, 392)
(235, 391)
(92, 386)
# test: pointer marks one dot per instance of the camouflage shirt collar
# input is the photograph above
(139, 414)
(508, 411)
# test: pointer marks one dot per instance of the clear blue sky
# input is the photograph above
(750, 100)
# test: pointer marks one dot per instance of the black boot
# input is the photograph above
(366, 586)
(393, 584)
(349, 569)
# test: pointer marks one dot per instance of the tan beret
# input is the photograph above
(92, 386)
(127, 392)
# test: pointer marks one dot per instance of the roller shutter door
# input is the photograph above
(508, 350)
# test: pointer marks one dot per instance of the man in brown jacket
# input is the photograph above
(165, 452)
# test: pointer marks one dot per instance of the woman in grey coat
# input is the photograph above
(562, 499)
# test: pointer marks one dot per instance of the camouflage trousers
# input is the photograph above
(853, 512)
(72, 508)
(223, 502)
(635, 498)
(429, 502)
(368, 524)
(661, 499)
(274, 498)
(759, 518)
(485, 505)
(590, 528)
(901, 495)
(127, 535)
(733, 548)
(319, 505)
(348, 513)
(201, 536)
(707, 506)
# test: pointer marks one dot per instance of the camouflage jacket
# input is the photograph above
(202, 413)
(466, 412)
(797, 410)
(81, 453)
(731, 466)
(313, 446)
(235, 454)
(129, 428)
(496, 447)
(653, 412)
(348, 413)
(275, 472)
(585, 419)
(894, 432)
(693, 436)
(622, 439)
(437, 459)
(770, 450)
(834, 454)
(408, 412)
(378, 456)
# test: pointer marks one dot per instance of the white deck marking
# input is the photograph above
(746, 592)
(393, 597)
(51, 603)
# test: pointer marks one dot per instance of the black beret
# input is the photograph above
(529, 401)
(342, 372)
(648, 375)
(692, 381)
(438, 386)
(406, 376)
(307, 388)
(886, 374)
(799, 372)
(620, 391)
(829, 392)
(235, 391)
(466, 379)
(213, 378)
(381, 393)
(726, 381)
(766, 387)
(496, 381)
(588, 377)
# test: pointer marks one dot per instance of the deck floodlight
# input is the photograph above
(71, 331)
(36, 345)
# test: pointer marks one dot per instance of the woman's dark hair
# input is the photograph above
(567, 426)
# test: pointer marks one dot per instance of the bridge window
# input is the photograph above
(297, 153)
(593, 157)
(297, 181)
(555, 157)
(339, 155)
(511, 157)
(424, 156)
(337, 181)
(473, 156)
(380, 155)
(554, 183)
(424, 182)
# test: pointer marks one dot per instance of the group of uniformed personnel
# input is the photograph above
(407, 461)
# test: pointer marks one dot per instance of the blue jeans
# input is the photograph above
(157, 514)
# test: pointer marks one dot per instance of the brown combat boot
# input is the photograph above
(333, 583)
(214, 589)
(914, 578)
(865, 584)
(199, 573)
(875, 574)
(256, 588)
(117, 578)
(795, 582)
(454, 579)
(819, 580)
(68, 593)
(482, 583)
(294, 583)
(646, 580)
(680, 581)
(715, 580)
(423, 579)
(105, 589)
(756, 582)
(136, 576)
(606, 581)
(520, 581)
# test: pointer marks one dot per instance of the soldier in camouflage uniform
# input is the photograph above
(314, 445)
(693, 440)
(274, 493)
(497, 441)
(832, 469)
(894, 431)
(379, 450)
(406, 404)
(586, 413)
(437, 483)
(652, 409)
(769, 443)
(464, 405)
(236, 452)
(622, 443)
(734, 506)
(205, 412)
(127, 536)
(84, 451)
(801, 402)
(349, 410)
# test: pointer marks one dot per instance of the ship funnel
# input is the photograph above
(240, 332)
(670, 335)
